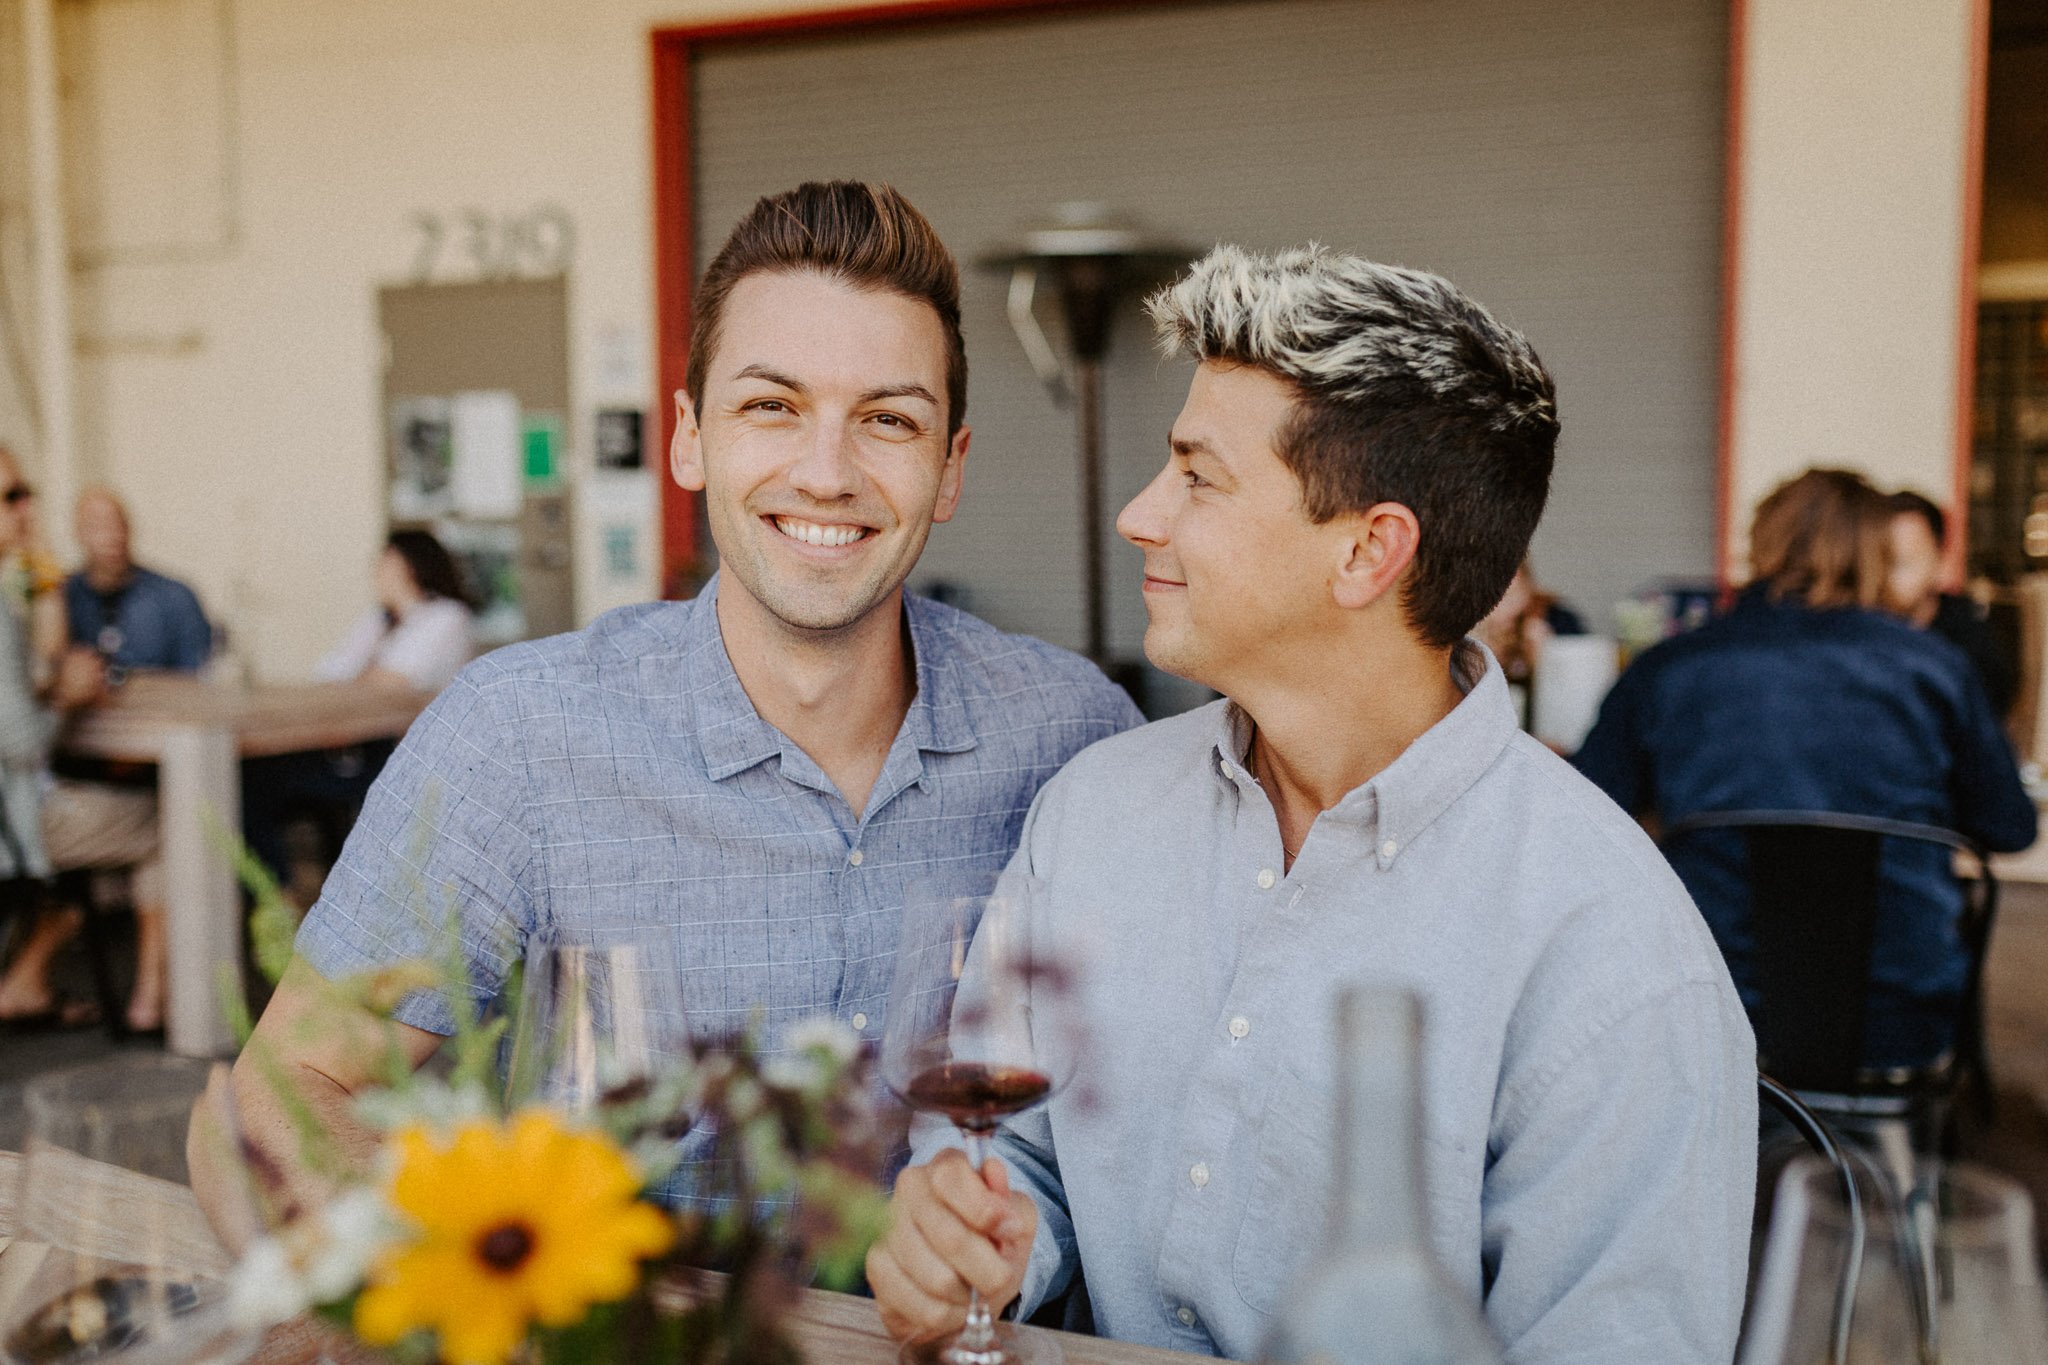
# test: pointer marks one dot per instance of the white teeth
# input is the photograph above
(811, 533)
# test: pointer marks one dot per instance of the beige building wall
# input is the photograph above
(248, 173)
(1855, 121)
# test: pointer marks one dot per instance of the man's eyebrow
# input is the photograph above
(1187, 447)
(790, 382)
(912, 390)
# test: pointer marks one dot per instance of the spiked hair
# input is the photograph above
(1408, 391)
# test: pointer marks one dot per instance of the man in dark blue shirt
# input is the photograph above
(1803, 697)
(134, 617)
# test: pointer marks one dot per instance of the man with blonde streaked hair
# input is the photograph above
(1362, 457)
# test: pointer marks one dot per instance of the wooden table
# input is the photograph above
(837, 1328)
(196, 732)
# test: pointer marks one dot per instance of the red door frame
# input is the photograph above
(675, 240)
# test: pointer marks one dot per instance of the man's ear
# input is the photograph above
(1376, 548)
(686, 447)
(950, 478)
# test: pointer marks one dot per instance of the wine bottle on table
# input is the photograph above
(1374, 1293)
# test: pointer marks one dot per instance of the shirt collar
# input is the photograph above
(732, 734)
(1406, 797)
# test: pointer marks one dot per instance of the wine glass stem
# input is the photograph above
(976, 1344)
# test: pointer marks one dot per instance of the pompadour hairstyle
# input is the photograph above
(1409, 392)
(868, 236)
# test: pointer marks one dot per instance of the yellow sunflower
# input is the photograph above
(517, 1223)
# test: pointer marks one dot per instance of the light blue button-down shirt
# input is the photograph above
(1589, 1077)
(617, 781)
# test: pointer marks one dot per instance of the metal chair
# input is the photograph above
(1814, 879)
(22, 896)
(1822, 1139)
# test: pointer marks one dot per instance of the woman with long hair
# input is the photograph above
(417, 636)
(420, 632)
(1807, 695)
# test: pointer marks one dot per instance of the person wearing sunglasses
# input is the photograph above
(46, 826)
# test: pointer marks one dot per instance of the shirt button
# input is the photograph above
(1199, 1173)
(860, 1021)
(1389, 849)
(1266, 879)
(1240, 1026)
(856, 857)
(1186, 1316)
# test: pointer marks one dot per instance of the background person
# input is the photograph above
(418, 636)
(1807, 695)
(422, 629)
(1525, 620)
(135, 617)
(1918, 541)
(66, 824)
(132, 618)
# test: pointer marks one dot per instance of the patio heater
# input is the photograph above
(1093, 263)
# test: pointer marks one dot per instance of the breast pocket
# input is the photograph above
(1286, 1213)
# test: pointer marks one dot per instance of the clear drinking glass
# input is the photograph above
(592, 1017)
(961, 1042)
(1947, 1273)
(124, 1269)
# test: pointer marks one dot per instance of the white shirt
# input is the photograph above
(1589, 1078)
(428, 647)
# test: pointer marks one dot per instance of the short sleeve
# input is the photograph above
(443, 842)
(191, 636)
(430, 646)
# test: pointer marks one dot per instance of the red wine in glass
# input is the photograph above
(959, 1042)
(976, 1096)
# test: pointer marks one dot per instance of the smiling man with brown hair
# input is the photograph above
(755, 776)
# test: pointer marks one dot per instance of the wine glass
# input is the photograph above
(961, 1042)
(594, 1017)
(1947, 1271)
(125, 1269)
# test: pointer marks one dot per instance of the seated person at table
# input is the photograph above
(132, 618)
(422, 629)
(1808, 696)
(66, 824)
(1362, 458)
(756, 775)
(135, 617)
(1917, 537)
(417, 637)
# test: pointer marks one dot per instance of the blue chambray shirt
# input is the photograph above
(617, 780)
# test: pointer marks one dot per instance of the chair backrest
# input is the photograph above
(1814, 878)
